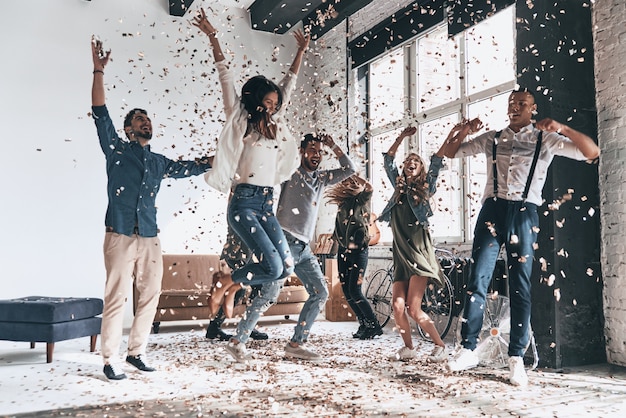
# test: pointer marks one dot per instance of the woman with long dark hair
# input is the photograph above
(255, 151)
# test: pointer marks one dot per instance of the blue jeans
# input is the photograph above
(351, 265)
(514, 224)
(310, 274)
(251, 216)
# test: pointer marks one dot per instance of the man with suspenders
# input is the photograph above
(518, 158)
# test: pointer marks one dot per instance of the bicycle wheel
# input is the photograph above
(378, 294)
(438, 303)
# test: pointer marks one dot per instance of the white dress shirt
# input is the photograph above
(514, 155)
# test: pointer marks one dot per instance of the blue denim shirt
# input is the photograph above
(134, 177)
(421, 210)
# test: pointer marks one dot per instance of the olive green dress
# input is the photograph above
(413, 250)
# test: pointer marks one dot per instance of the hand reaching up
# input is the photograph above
(200, 21)
(302, 40)
(99, 56)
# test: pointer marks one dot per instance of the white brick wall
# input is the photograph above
(373, 13)
(335, 100)
(610, 48)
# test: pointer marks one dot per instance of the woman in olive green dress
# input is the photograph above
(414, 257)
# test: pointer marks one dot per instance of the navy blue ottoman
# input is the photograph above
(46, 319)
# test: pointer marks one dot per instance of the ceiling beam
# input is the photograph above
(279, 16)
(329, 14)
(179, 7)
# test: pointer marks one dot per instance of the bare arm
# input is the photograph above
(303, 44)
(100, 60)
(584, 143)
(201, 21)
(404, 134)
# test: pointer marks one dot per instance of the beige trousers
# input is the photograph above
(127, 259)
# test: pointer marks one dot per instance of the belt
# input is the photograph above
(135, 230)
(263, 189)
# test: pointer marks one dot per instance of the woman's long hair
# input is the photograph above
(252, 94)
(416, 189)
(343, 190)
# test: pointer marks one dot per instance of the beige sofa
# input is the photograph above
(187, 280)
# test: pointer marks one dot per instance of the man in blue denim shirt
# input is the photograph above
(132, 249)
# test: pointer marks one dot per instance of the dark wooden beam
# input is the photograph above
(331, 13)
(179, 7)
(279, 16)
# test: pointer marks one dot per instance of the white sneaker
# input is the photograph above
(517, 372)
(438, 354)
(238, 351)
(301, 353)
(405, 353)
(463, 360)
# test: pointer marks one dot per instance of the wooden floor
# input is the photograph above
(197, 378)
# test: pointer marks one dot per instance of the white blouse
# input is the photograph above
(228, 167)
(258, 161)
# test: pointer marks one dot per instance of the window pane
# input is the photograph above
(446, 222)
(490, 51)
(382, 186)
(493, 113)
(438, 64)
(387, 93)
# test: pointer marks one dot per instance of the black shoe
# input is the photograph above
(112, 374)
(258, 335)
(213, 333)
(372, 332)
(138, 363)
(359, 331)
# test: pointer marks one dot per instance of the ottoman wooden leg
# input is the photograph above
(49, 351)
(92, 346)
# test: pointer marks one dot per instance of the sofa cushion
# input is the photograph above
(191, 272)
(50, 333)
(48, 310)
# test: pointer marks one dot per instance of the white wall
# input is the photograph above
(52, 171)
(610, 48)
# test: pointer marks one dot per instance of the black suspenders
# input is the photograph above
(530, 173)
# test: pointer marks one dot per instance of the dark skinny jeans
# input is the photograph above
(351, 265)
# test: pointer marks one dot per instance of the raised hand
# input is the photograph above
(302, 40)
(475, 125)
(100, 57)
(327, 140)
(408, 131)
(549, 125)
(201, 22)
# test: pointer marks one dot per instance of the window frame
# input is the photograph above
(412, 116)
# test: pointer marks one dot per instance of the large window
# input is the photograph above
(433, 82)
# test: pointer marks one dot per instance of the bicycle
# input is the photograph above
(438, 301)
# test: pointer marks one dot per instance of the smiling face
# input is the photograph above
(412, 166)
(521, 108)
(270, 102)
(140, 128)
(311, 156)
